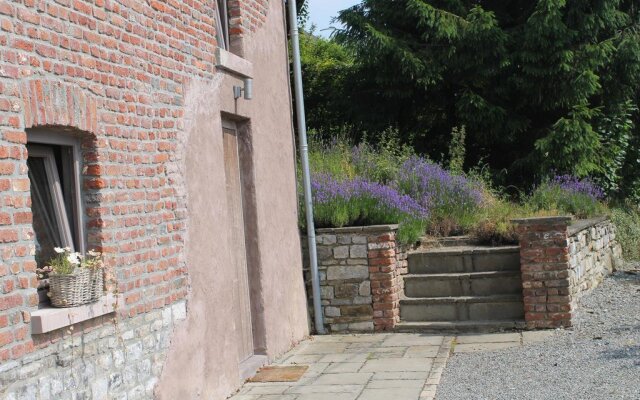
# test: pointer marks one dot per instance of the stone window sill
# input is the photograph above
(49, 319)
(233, 64)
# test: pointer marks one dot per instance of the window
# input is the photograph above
(222, 24)
(54, 173)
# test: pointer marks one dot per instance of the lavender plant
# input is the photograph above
(568, 194)
(453, 200)
(357, 201)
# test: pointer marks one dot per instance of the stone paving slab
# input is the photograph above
(358, 367)
(397, 366)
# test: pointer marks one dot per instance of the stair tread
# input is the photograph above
(458, 275)
(496, 298)
(471, 325)
(457, 250)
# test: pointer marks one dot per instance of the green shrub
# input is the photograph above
(494, 225)
(566, 194)
(627, 222)
(457, 150)
(382, 162)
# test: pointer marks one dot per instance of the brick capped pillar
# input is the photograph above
(385, 267)
(544, 262)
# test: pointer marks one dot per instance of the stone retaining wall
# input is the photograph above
(98, 359)
(559, 262)
(360, 272)
(593, 254)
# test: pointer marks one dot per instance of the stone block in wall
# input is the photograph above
(365, 288)
(358, 251)
(332, 311)
(342, 273)
(327, 292)
(341, 252)
(347, 290)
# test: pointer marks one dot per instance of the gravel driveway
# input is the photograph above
(598, 359)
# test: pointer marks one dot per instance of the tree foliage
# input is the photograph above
(540, 85)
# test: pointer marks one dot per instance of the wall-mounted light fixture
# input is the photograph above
(247, 90)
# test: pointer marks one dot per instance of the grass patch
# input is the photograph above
(627, 222)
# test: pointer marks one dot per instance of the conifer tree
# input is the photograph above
(540, 85)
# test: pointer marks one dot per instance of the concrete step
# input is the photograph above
(463, 308)
(480, 326)
(464, 259)
(463, 284)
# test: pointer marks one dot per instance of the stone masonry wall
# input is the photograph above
(559, 263)
(103, 359)
(360, 272)
(593, 254)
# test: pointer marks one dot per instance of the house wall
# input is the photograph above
(137, 81)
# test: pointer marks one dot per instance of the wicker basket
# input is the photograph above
(82, 287)
(97, 283)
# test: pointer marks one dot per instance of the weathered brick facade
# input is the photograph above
(94, 67)
(114, 73)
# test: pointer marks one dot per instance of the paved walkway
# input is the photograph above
(374, 367)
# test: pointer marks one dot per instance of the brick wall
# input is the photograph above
(246, 16)
(559, 262)
(360, 272)
(113, 73)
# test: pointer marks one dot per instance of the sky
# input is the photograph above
(322, 11)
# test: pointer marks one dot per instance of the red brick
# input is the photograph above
(6, 337)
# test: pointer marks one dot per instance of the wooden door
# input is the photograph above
(242, 306)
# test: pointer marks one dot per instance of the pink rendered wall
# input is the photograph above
(203, 358)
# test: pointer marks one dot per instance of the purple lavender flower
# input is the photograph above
(360, 192)
(436, 188)
(576, 185)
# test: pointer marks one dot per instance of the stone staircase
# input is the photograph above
(460, 287)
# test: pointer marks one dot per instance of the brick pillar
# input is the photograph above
(544, 262)
(384, 272)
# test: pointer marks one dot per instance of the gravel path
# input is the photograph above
(598, 359)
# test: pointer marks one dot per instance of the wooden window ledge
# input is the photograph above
(50, 318)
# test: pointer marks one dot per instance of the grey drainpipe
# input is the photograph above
(306, 175)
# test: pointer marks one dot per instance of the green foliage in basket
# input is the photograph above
(65, 262)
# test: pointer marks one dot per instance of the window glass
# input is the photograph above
(53, 214)
(222, 24)
(45, 226)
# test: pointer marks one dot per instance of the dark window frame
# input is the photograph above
(42, 143)
(222, 24)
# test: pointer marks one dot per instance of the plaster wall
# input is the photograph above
(203, 357)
